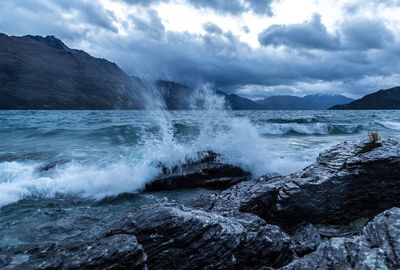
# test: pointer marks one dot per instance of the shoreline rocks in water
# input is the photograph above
(204, 172)
(338, 213)
(341, 186)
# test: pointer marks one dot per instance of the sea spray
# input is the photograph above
(95, 154)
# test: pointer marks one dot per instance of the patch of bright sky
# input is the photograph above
(181, 17)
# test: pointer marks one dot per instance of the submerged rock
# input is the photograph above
(341, 186)
(378, 247)
(176, 237)
(204, 172)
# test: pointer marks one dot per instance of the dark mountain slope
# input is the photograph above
(281, 103)
(240, 103)
(388, 99)
(176, 95)
(43, 73)
(323, 102)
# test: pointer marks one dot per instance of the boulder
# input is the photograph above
(203, 172)
(305, 239)
(177, 237)
(378, 247)
(344, 184)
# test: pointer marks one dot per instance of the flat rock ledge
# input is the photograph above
(338, 213)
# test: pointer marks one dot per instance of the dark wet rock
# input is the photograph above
(352, 228)
(231, 200)
(204, 172)
(177, 237)
(378, 247)
(325, 209)
(305, 239)
(214, 176)
(341, 186)
(117, 199)
(52, 165)
(113, 252)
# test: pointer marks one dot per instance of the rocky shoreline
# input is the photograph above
(338, 213)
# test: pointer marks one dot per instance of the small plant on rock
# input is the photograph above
(373, 142)
(373, 137)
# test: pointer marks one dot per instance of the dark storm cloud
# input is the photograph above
(220, 57)
(39, 17)
(359, 55)
(358, 33)
(212, 28)
(261, 7)
(225, 60)
(152, 27)
(365, 33)
(311, 34)
(90, 12)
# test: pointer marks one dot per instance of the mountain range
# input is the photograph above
(43, 73)
(309, 102)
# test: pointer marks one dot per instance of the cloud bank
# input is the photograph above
(359, 54)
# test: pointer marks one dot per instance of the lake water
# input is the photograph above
(59, 170)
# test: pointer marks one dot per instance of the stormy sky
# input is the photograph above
(254, 48)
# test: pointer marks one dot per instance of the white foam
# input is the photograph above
(392, 125)
(304, 128)
(236, 139)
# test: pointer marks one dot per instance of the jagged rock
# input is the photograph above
(176, 237)
(204, 172)
(230, 200)
(305, 239)
(378, 247)
(119, 251)
(341, 186)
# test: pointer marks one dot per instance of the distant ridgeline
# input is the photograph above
(43, 73)
(382, 100)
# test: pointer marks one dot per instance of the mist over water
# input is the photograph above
(96, 154)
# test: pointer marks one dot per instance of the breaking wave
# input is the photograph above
(100, 154)
(391, 125)
(96, 173)
(308, 129)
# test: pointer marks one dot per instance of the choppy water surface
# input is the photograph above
(59, 166)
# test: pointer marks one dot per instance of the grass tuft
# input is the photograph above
(373, 137)
(373, 143)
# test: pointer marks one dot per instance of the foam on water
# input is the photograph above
(391, 125)
(101, 154)
(236, 139)
(307, 128)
